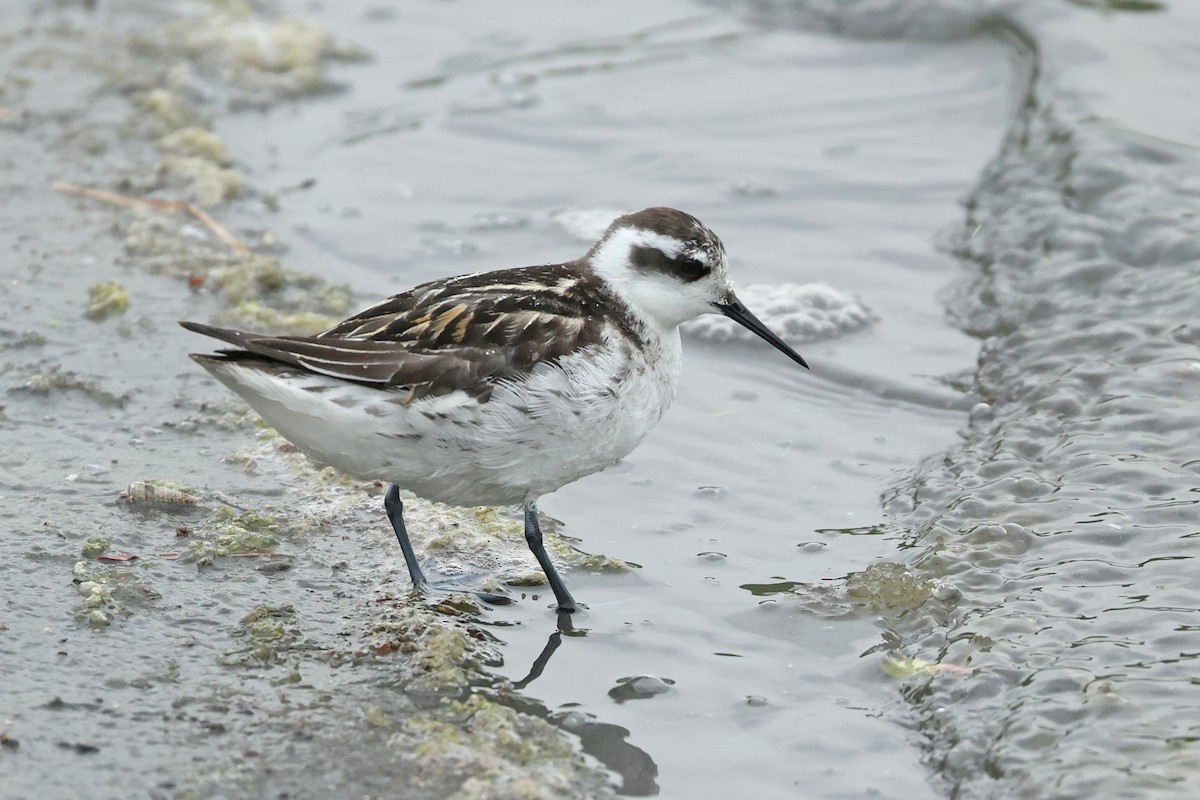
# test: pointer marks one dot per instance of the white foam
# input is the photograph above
(797, 313)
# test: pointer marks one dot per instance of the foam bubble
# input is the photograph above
(797, 313)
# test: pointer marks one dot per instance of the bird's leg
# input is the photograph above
(533, 537)
(395, 512)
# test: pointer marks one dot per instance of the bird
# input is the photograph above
(496, 388)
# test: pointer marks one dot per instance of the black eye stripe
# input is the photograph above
(692, 268)
(650, 259)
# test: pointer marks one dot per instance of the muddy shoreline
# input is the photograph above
(183, 582)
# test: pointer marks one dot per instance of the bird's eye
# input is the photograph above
(692, 268)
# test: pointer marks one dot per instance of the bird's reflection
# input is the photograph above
(601, 740)
(563, 627)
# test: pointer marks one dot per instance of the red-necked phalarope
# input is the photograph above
(498, 387)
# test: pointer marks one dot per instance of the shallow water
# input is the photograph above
(1024, 406)
(794, 145)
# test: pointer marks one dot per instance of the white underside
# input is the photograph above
(565, 420)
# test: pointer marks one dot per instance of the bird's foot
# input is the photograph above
(432, 590)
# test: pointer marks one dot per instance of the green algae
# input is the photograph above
(883, 588)
(889, 586)
(198, 159)
(263, 280)
(256, 316)
(375, 717)
(96, 546)
(106, 299)
(483, 534)
(496, 752)
(57, 379)
(276, 57)
(227, 517)
(901, 667)
(230, 532)
(444, 665)
(197, 142)
(109, 591)
(160, 244)
(267, 636)
(204, 181)
(471, 741)
(483, 724)
(168, 111)
(563, 549)
(254, 279)
(269, 623)
(225, 414)
(443, 657)
(326, 476)
(598, 562)
(258, 290)
(904, 668)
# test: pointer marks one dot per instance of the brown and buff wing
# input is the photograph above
(462, 333)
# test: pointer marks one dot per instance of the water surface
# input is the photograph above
(1002, 463)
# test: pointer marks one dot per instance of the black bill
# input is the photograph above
(739, 314)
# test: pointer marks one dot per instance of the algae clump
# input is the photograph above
(196, 142)
(206, 181)
(108, 591)
(269, 632)
(889, 587)
(485, 725)
(168, 109)
(96, 546)
(106, 299)
(230, 533)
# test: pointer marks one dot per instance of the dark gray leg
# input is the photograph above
(533, 537)
(395, 512)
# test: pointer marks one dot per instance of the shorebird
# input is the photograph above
(496, 388)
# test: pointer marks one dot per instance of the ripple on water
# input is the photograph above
(1068, 515)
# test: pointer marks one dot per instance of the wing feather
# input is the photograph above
(463, 333)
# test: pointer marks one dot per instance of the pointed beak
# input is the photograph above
(737, 312)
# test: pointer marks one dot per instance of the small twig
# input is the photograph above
(166, 206)
(218, 229)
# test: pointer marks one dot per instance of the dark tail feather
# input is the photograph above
(241, 339)
(224, 334)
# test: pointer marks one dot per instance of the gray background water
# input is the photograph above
(1017, 431)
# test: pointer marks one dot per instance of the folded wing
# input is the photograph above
(463, 333)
